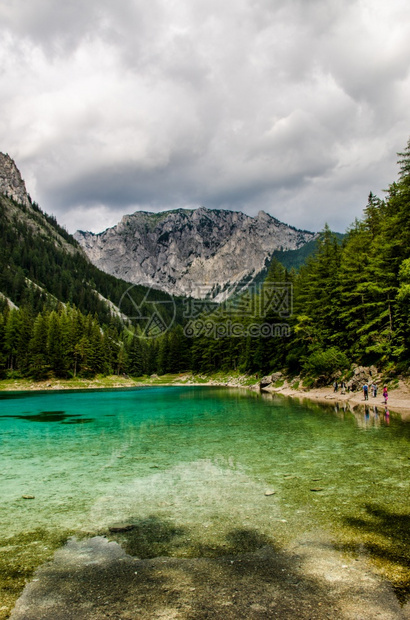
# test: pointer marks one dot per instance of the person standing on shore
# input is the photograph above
(366, 391)
(374, 388)
(385, 394)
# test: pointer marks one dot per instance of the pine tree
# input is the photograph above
(163, 359)
(54, 349)
(11, 337)
(122, 360)
(135, 366)
(38, 349)
(110, 347)
(83, 351)
(317, 300)
(179, 350)
(3, 357)
(96, 360)
(404, 164)
(25, 333)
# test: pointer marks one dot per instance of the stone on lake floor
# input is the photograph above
(317, 489)
(270, 492)
(28, 496)
(121, 527)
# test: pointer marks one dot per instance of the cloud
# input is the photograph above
(296, 108)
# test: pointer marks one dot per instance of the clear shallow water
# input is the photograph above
(196, 462)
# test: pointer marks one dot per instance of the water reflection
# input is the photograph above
(369, 417)
(366, 416)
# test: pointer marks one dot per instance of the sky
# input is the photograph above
(294, 107)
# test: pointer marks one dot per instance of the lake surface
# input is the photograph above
(189, 468)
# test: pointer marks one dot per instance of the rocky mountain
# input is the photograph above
(199, 252)
(11, 183)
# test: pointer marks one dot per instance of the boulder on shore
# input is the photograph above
(361, 375)
(269, 379)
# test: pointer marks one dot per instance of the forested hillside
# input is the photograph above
(296, 258)
(58, 313)
(39, 260)
(350, 303)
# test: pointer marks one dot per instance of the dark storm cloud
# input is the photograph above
(297, 108)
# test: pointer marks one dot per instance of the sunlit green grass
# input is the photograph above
(112, 381)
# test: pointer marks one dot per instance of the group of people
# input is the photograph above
(366, 388)
(373, 387)
(342, 387)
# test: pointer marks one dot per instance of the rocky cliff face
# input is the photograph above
(199, 252)
(11, 183)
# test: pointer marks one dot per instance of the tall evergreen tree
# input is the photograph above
(135, 366)
(39, 366)
(11, 337)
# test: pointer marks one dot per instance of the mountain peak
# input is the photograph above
(197, 252)
(263, 216)
(11, 183)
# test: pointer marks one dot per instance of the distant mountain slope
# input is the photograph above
(40, 262)
(196, 252)
(296, 258)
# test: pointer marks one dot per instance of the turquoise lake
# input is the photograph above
(200, 460)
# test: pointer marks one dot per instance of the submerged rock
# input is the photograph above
(121, 527)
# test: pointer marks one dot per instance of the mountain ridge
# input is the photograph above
(196, 252)
(162, 214)
(184, 252)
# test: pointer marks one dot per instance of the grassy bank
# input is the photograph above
(123, 381)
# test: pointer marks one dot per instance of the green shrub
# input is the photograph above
(308, 382)
(326, 362)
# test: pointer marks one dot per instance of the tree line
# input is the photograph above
(66, 343)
